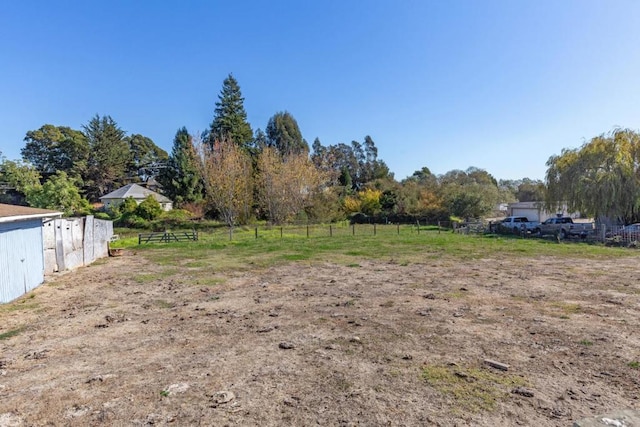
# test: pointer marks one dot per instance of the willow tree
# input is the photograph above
(600, 179)
(227, 175)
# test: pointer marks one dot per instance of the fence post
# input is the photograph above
(398, 228)
(418, 224)
(330, 231)
(438, 227)
(256, 232)
(230, 233)
(374, 228)
(281, 232)
(353, 230)
(307, 230)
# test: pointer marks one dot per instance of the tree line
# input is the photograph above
(237, 175)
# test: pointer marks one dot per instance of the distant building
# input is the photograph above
(152, 184)
(535, 211)
(138, 193)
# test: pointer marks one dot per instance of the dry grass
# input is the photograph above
(139, 340)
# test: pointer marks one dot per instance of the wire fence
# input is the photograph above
(343, 229)
(596, 233)
(613, 235)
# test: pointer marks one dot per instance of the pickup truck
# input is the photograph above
(518, 224)
(564, 227)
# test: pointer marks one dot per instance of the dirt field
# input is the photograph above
(128, 342)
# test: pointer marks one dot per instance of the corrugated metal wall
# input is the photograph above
(28, 248)
(21, 258)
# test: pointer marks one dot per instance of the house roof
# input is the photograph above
(135, 191)
(12, 213)
(151, 182)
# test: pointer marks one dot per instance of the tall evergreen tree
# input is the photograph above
(181, 179)
(260, 140)
(230, 119)
(284, 135)
(109, 154)
(146, 157)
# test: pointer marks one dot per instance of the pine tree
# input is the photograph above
(260, 140)
(230, 119)
(108, 155)
(181, 180)
(284, 135)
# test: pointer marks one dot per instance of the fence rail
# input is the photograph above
(168, 236)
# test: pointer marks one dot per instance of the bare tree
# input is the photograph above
(228, 179)
(285, 183)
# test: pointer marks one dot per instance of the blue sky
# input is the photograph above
(500, 85)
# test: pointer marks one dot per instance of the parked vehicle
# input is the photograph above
(628, 233)
(564, 227)
(518, 224)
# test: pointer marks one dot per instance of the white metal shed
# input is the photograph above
(21, 249)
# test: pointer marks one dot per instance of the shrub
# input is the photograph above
(134, 221)
(324, 206)
(101, 215)
(177, 218)
(196, 209)
(129, 206)
(149, 209)
(131, 220)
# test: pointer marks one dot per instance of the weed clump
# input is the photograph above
(474, 389)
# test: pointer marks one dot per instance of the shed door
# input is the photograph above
(21, 258)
